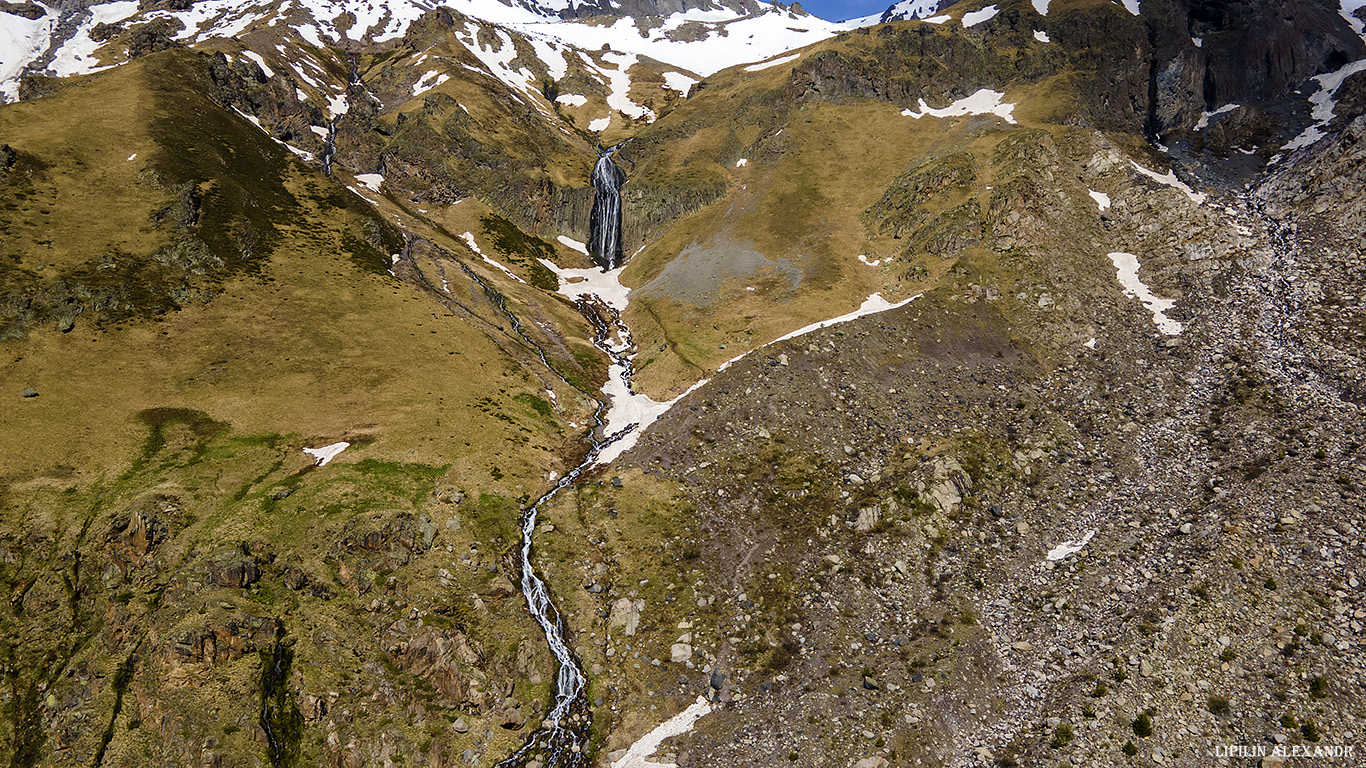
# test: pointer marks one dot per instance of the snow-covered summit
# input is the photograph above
(699, 36)
(901, 11)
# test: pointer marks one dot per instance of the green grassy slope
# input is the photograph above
(193, 307)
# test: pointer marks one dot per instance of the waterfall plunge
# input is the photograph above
(604, 225)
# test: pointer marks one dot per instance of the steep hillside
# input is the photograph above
(984, 388)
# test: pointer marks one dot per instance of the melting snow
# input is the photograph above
(1324, 104)
(21, 41)
(1170, 180)
(729, 37)
(774, 63)
(973, 18)
(1203, 122)
(1102, 200)
(600, 124)
(572, 99)
(580, 283)
(372, 181)
(1126, 265)
(429, 81)
(638, 755)
(327, 452)
(573, 244)
(679, 82)
(77, 55)
(627, 408)
(256, 57)
(983, 102)
(1199, 41)
(620, 78)
(1091, 343)
(1348, 9)
(468, 237)
(1132, 6)
(1041, 36)
(866, 260)
(337, 105)
(938, 19)
(870, 306)
(554, 61)
(1041, 6)
(1068, 547)
(742, 162)
(132, 156)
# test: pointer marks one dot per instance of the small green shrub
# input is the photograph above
(1217, 705)
(1061, 736)
(1318, 688)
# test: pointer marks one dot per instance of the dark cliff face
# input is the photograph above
(1136, 73)
(1256, 50)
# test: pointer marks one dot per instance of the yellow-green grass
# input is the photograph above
(805, 206)
(646, 533)
(86, 196)
(316, 345)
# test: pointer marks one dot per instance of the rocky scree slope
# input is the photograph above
(775, 544)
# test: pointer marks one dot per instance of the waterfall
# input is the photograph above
(604, 226)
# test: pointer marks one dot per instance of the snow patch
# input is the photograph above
(639, 753)
(1203, 122)
(468, 237)
(870, 306)
(571, 99)
(774, 63)
(372, 181)
(742, 162)
(1041, 6)
(600, 124)
(132, 157)
(1102, 200)
(582, 283)
(902, 11)
(620, 79)
(21, 41)
(337, 105)
(327, 452)
(1126, 265)
(1132, 6)
(1169, 179)
(973, 18)
(679, 82)
(869, 262)
(938, 19)
(77, 55)
(983, 102)
(429, 81)
(1324, 105)
(1068, 547)
(573, 244)
(1041, 36)
(554, 61)
(254, 56)
(1348, 10)
(1090, 343)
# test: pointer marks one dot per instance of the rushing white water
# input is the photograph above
(604, 225)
